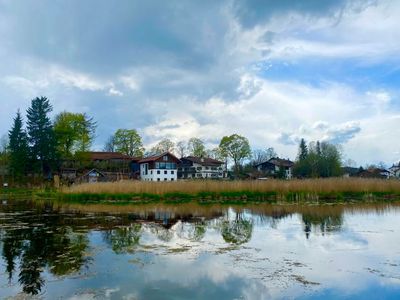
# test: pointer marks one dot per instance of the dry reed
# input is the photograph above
(329, 185)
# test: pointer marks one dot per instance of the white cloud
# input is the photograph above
(370, 35)
(130, 82)
(278, 115)
(114, 92)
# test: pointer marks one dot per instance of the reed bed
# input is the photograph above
(314, 186)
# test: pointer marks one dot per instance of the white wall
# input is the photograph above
(152, 174)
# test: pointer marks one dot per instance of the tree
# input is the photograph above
(330, 160)
(74, 132)
(215, 154)
(320, 159)
(18, 148)
(4, 154)
(4, 141)
(41, 135)
(196, 147)
(235, 147)
(165, 145)
(301, 167)
(181, 148)
(129, 142)
(110, 144)
(260, 156)
(303, 151)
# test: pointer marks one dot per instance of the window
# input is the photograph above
(165, 179)
(172, 179)
(172, 172)
(158, 179)
(165, 172)
(158, 172)
(151, 172)
(165, 158)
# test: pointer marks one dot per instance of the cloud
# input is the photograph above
(114, 92)
(274, 71)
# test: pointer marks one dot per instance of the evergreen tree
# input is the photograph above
(41, 136)
(18, 147)
(303, 151)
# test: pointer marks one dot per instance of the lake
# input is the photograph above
(191, 251)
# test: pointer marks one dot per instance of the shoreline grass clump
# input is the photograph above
(208, 191)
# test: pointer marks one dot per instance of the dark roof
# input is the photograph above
(373, 172)
(156, 157)
(350, 170)
(278, 162)
(93, 170)
(109, 155)
(204, 161)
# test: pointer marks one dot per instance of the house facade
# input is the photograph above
(192, 167)
(113, 166)
(374, 173)
(163, 167)
(276, 167)
(395, 171)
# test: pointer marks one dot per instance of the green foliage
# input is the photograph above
(18, 149)
(41, 136)
(165, 145)
(196, 147)
(74, 133)
(124, 239)
(237, 148)
(237, 232)
(303, 150)
(129, 142)
(318, 160)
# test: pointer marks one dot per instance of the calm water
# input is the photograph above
(199, 252)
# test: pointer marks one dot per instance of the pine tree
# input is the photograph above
(18, 147)
(41, 135)
(303, 151)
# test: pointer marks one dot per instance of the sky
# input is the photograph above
(273, 71)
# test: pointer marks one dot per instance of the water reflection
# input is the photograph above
(43, 241)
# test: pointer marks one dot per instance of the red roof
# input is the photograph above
(110, 155)
(156, 157)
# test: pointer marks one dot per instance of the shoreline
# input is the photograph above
(221, 198)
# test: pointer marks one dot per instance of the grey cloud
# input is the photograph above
(338, 134)
(342, 134)
(288, 139)
(253, 12)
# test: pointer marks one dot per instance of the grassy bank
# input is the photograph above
(272, 191)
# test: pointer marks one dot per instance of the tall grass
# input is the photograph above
(315, 186)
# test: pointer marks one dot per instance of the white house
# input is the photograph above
(161, 167)
(201, 167)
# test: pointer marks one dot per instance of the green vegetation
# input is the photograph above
(219, 197)
(18, 149)
(317, 160)
(237, 148)
(74, 133)
(126, 141)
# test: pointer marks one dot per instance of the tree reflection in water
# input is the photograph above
(237, 231)
(124, 239)
(46, 243)
(44, 238)
(325, 223)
